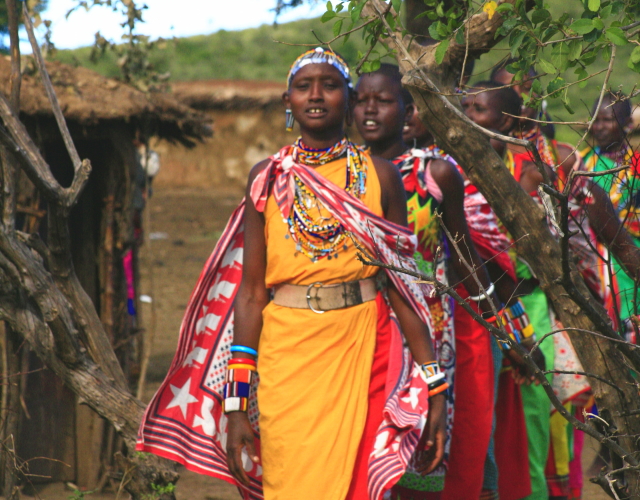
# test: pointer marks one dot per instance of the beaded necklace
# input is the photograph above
(316, 233)
(545, 149)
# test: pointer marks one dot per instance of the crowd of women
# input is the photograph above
(303, 373)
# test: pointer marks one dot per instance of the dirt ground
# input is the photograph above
(184, 228)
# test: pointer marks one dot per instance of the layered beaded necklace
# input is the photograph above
(547, 154)
(316, 233)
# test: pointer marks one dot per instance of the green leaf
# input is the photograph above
(560, 56)
(546, 66)
(375, 65)
(460, 36)
(593, 5)
(504, 7)
(617, 36)
(329, 6)
(557, 83)
(516, 41)
(606, 53)
(357, 11)
(581, 74)
(396, 5)
(433, 30)
(575, 49)
(582, 26)
(605, 12)
(567, 102)
(443, 30)
(588, 58)
(537, 16)
(633, 66)
(635, 56)
(597, 23)
(337, 27)
(441, 50)
(536, 87)
(328, 16)
(439, 10)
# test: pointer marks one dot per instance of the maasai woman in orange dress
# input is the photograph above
(342, 403)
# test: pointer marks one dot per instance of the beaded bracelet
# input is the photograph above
(245, 349)
(520, 319)
(237, 385)
(435, 378)
(485, 295)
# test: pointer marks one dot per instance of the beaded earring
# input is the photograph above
(289, 120)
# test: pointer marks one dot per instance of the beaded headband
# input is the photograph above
(319, 56)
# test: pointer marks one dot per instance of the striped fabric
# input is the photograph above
(184, 421)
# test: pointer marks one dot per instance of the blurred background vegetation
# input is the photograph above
(257, 54)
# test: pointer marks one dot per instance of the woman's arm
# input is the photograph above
(251, 299)
(394, 205)
(605, 222)
(452, 186)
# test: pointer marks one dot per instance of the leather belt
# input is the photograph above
(320, 298)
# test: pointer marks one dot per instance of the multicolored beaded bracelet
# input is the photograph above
(435, 378)
(237, 385)
(520, 320)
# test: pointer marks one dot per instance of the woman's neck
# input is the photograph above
(388, 149)
(317, 140)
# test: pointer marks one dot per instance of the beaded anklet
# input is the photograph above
(436, 379)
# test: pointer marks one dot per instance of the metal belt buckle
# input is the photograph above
(315, 285)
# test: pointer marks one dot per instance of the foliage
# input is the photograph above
(250, 54)
(131, 56)
(79, 494)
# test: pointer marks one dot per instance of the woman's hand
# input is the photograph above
(430, 450)
(522, 372)
(239, 436)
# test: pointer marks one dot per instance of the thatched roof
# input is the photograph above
(229, 94)
(88, 98)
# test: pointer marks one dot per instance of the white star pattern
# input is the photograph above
(182, 397)
(413, 397)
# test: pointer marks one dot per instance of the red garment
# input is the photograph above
(379, 370)
(474, 398)
(512, 450)
(400, 493)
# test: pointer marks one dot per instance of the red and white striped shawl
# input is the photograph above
(184, 421)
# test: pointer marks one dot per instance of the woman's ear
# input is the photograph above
(285, 99)
(508, 124)
(409, 110)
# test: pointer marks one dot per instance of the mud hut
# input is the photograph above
(104, 117)
(249, 126)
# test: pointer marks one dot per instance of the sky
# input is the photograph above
(164, 19)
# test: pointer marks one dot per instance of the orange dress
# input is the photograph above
(314, 368)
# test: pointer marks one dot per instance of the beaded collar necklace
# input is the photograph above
(317, 234)
(542, 144)
(310, 156)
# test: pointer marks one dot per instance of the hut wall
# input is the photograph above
(241, 139)
(77, 439)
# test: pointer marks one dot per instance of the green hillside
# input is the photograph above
(251, 54)
(255, 54)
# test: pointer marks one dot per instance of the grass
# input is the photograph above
(252, 54)
(255, 54)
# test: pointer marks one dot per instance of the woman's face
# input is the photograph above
(379, 111)
(482, 109)
(318, 98)
(607, 129)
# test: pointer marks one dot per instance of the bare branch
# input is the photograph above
(51, 94)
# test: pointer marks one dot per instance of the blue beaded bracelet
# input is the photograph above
(241, 348)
